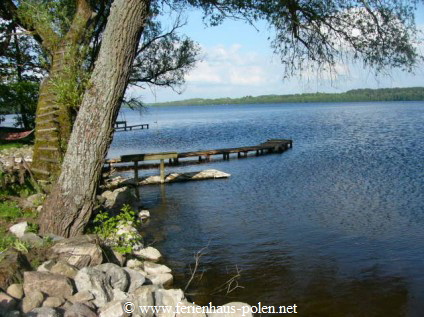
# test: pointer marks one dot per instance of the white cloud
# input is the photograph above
(230, 66)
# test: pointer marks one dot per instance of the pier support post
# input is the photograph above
(162, 171)
(136, 172)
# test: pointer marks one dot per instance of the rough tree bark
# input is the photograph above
(53, 120)
(69, 206)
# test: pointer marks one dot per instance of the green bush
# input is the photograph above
(110, 228)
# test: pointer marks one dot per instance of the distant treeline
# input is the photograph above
(383, 94)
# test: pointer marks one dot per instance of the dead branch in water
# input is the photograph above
(197, 257)
(229, 286)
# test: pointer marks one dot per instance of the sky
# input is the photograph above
(237, 60)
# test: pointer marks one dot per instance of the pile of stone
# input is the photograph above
(13, 156)
(80, 281)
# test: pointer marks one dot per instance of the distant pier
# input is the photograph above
(123, 126)
(268, 147)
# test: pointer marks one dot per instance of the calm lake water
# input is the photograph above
(334, 225)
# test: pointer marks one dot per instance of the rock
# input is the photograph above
(116, 276)
(119, 258)
(90, 305)
(35, 200)
(135, 264)
(80, 251)
(66, 305)
(48, 283)
(136, 279)
(154, 268)
(144, 214)
(65, 269)
(188, 309)
(234, 309)
(117, 294)
(126, 234)
(183, 177)
(7, 303)
(208, 174)
(95, 281)
(83, 296)
(43, 312)
(32, 300)
(16, 291)
(113, 309)
(46, 266)
(168, 297)
(19, 229)
(79, 310)
(116, 199)
(164, 279)
(53, 302)
(32, 239)
(149, 253)
(12, 266)
(143, 296)
(13, 313)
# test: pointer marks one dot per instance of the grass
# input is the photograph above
(6, 145)
(11, 145)
(10, 213)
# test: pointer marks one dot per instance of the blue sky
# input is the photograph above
(237, 60)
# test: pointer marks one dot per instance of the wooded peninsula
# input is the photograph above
(382, 94)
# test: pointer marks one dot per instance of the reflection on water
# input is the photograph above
(335, 225)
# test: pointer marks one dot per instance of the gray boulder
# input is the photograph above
(53, 302)
(83, 296)
(48, 283)
(64, 268)
(43, 312)
(95, 281)
(32, 239)
(19, 229)
(144, 296)
(16, 291)
(154, 268)
(163, 279)
(116, 199)
(149, 254)
(117, 277)
(144, 214)
(168, 297)
(113, 309)
(136, 279)
(79, 310)
(35, 200)
(80, 251)
(135, 264)
(32, 300)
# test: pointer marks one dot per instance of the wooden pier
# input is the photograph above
(268, 147)
(122, 126)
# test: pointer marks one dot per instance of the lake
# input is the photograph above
(334, 225)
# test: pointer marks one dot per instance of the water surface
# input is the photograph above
(335, 225)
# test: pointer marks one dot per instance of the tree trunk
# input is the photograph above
(70, 204)
(53, 124)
